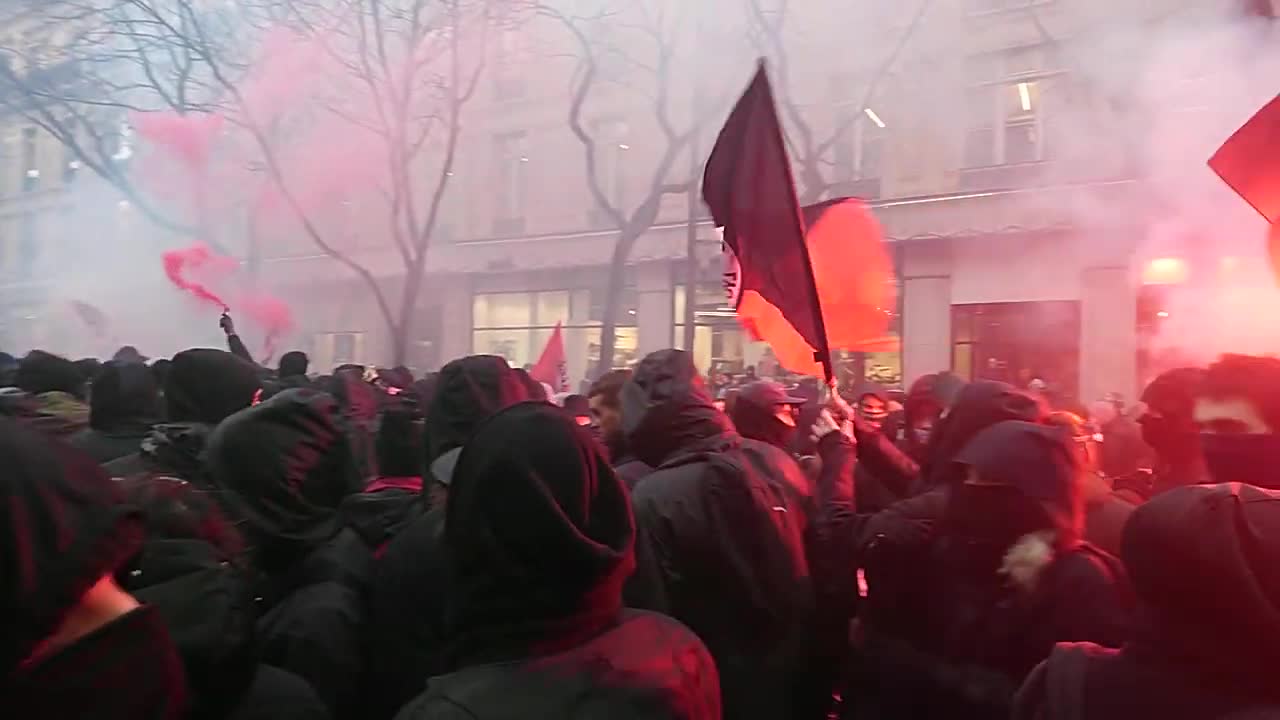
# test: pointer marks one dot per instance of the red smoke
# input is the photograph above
(178, 264)
(184, 137)
(272, 314)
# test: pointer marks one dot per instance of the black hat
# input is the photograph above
(766, 393)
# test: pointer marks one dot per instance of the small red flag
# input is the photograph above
(1249, 161)
(747, 186)
(550, 368)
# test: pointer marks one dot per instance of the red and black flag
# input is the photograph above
(1249, 161)
(748, 187)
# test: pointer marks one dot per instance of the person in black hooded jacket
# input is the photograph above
(202, 388)
(394, 498)
(1205, 562)
(954, 624)
(74, 643)
(411, 578)
(283, 468)
(720, 540)
(191, 569)
(539, 539)
(123, 405)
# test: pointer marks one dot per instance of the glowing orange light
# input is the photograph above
(1165, 271)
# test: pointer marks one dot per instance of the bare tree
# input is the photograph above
(643, 46)
(380, 86)
(811, 152)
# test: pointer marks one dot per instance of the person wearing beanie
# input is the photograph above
(123, 405)
(282, 468)
(1205, 564)
(1008, 558)
(539, 537)
(74, 645)
(202, 388)
(406, 629)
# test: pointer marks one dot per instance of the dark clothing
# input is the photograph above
(206, 386)
(1084, 680)
(124, 670)
(63, 530)
(1209, 630)
(105, 447)
(174, 449)
(238, 348)
(406, 633)
(965, 656)
(884, 474)
(1122, 451)
(207, 606)
(407, 624)
(539, 539)
(646, 667)
(467, 391)
(124, 404)
(313, 619)
(631, 471)
(977, 406)
(41, 372)
(383, 509)
(720, 537)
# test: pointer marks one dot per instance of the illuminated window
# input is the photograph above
(510, 159)
(1165, 271)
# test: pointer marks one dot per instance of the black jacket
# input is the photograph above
(948, 633)
(207, 605)
(720, 537)
(175, 449)
(123, 405)
(283, 468)
(1208, 638)
(535, 620)
(406, 627)
(596, 680)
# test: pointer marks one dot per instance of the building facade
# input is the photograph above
(993, 149)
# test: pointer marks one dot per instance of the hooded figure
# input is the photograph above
(1008, 560)
(540, 540)
(203, 387)
(1205, 562)
(407, 620)
(765, 412)
(74, 643)
(282, 468)
(124, 404)
(394, 498)
(191, 570)
(720, 539)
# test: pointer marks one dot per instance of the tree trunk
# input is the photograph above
(608, 326)
(403, 327)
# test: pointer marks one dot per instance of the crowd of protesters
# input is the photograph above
(202, 537)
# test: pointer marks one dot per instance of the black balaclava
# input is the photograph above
(762, 423)
(539, 535)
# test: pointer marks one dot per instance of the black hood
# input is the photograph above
(206, 603)
(468, 390)
(63, 529)
(124, 397)
(284, 466)
(1205, 562)
(667, 411)
(761, 423)
(539, 535)
(1037, 461)
(206, 386)
(978, 406)
(41, 372)
(379, 516)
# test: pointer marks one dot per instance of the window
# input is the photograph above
(1005, 107)
(860, 151)
(30, 172)
(517, 326)
(510, 159)
(338, 348)
(70, 165)
(1018, 342)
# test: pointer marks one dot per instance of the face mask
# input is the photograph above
(921, 435)
(1246, 458)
